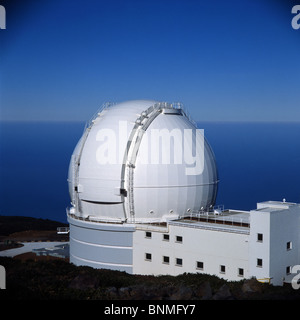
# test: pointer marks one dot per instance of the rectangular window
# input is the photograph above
(166, 237)
(179, 262)
(289, 245)
(179, 239)
(166, 259)
(222, 269)
(259, 262)
(260, 237)
(148, 256)
(240, 272)
(199, 265)
(148, 235)
(288, 270)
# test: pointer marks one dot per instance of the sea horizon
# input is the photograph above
(257, 161)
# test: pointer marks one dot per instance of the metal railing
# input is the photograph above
(94, 218)
(63, 230)
(222, 220)
(158, 105)
(104, 106)
(217, 215)
(212, 226)
(176, 105)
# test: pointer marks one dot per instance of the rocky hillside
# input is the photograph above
(58, 279)
(13, 224)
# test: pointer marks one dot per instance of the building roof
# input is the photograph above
(236, 221)
(274, 205)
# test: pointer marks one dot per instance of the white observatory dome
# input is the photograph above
(141, 161)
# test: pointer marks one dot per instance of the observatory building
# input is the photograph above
(143, 183)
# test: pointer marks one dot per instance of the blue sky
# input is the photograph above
(224, 60)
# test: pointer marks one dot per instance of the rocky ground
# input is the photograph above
(16, 229)
(29, 277)
(58, 279)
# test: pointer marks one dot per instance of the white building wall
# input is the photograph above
(279, 250)
(284, 244)
(212, 248)
(268, 252)
(259, 249)
(101, 245)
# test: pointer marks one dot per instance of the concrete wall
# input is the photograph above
(259, 249)
(212, 248)
(279, 249)
(284, 232)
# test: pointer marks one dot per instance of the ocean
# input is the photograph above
(256, 162)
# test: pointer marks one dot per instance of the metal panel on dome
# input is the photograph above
(165, 186)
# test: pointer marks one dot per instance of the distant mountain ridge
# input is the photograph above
(12, 224)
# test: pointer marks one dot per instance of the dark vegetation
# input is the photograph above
(57, 279)
(12, 224)
(14, 229)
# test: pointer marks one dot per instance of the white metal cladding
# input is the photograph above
(128, 188)
(98, 245)
(162, 189)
